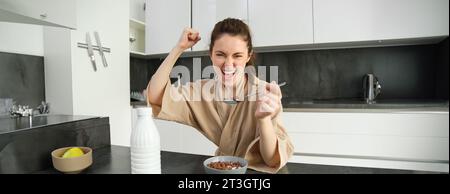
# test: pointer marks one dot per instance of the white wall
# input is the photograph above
(107, 91)
(21, 38)
(58, 70)
(72, 82)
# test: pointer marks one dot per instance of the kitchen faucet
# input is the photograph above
(26, 111)
(21, 111)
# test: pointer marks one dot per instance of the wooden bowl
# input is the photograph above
(71, 165)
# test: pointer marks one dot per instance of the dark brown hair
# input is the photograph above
(233, 27)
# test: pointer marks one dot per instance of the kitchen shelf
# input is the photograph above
(137, 37)
(134, 23)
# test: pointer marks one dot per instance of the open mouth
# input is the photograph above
(228, 73)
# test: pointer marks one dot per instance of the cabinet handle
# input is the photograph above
(43, 16)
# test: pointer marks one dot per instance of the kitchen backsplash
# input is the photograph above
(22, 78)
(140, 73)
(405, 72)
(442, 71)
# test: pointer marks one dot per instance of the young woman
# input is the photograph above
(250, 128)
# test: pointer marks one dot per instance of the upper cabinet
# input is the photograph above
(289, 22)
(59, 13)
(293, 24)
(206, 13)
(137, 10)
(366, 20)
(137, 27)
(165, 21)
(281, 22)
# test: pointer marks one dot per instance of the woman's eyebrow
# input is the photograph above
(237, 53)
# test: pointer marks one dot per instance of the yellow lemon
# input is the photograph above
(73, 152)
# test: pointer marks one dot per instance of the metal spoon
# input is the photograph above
(233, 101)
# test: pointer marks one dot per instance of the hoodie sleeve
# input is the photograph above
(285, 150)
(175, 105)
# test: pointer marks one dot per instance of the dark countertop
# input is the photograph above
(136, 104)
(116, 160)
(360, 106)
(14, 124)
(25, 149)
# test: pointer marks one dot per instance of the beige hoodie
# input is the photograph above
(233, 128)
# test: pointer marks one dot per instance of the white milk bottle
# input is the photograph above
(145, 144)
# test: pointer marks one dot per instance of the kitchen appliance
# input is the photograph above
(371, 88)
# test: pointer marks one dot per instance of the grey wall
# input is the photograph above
(405, 72)
(22, 78)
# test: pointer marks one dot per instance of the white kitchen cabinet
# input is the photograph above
(137, 27)
(206, 13)
(176, 137)
(171, 137)
(195, 142)
(367, 20)
(165, 21)
(137, 10)
(281, 22)
(60, 13)
(417, 141)
(21, 39)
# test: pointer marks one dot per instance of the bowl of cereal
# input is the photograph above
(225, 165)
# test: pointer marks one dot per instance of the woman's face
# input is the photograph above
(229, 56)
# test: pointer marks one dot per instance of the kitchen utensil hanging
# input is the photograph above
(90, 48)
(99, 44)
(91, 51)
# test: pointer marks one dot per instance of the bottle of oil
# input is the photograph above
(145, 144)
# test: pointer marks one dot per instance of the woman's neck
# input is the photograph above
(239, 90)
(236, 92)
